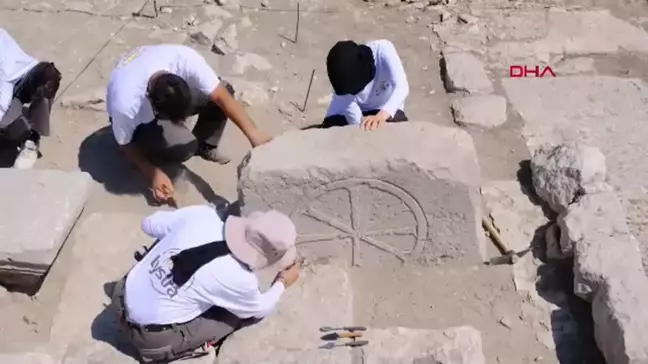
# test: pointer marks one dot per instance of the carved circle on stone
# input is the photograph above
(372, 237)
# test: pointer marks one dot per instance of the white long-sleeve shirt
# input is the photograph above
(387, 91)
(14, 63)
(151, 296)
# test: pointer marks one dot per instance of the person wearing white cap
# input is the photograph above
(197, 284)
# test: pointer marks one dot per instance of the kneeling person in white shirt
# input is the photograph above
(25, 81)
(152, 90)
(369, 82)
(197, 284)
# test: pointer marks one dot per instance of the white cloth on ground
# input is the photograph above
(151, 297)
(14, 64)
(387, 91)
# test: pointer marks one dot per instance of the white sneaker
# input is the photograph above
(27, 156)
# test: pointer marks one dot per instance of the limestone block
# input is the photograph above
(39, 209)
(206, 33)
(226, 41)
(405, 193)
(591, 216)
(94, 100)
(322, 297)
(465, 73)
(620, 311)
(487, 111)
(564, 172)
(602, 244)
(460, 345)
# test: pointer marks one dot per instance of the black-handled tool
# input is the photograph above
(343, 328)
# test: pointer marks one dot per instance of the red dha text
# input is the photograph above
(524, 71)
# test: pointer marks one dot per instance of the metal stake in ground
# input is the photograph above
(303, 109)
(297, 26)
(155, 7)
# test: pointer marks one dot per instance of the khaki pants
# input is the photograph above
(165, 343)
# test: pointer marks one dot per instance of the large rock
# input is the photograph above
(599, 214)
(607, 112)
(620, 311)
(407, 192)
(322, 297)
(563, 173)
(460, 345)
(602, 244)
(39, 209)
(465, 73)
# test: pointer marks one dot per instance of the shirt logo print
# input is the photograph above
(160, 274)
(382, 88)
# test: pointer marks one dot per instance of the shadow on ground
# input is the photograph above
(106, 329)
(571, 324)
(99, 155)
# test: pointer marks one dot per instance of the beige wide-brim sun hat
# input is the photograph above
(262, 239)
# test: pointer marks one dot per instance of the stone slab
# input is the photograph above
(606, 112)
(460, 345)
(487, 111)
(465, 73)
(573, 33)
(620, 311)
(84, 328)
(322, 297)
(406, 193)
(40, 207)
(601, 242)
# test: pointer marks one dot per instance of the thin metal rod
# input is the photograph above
(297, 27)
(155, 7)
(309, 89)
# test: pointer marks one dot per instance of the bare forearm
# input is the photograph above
(139, 160)
(234, 111)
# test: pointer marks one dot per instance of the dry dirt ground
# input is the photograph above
(85, 38)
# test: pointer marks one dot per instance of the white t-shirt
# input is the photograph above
(126, 99)
(151, 296)
(14, 64)
(387, 91)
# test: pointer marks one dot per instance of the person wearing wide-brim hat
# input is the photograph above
(197, 284)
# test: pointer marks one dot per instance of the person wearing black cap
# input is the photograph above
(369, 82)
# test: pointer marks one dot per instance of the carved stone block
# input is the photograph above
(406, 192)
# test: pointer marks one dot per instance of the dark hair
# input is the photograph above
(170, 97)
(188, 261)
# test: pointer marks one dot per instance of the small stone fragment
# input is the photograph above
(91, 100)
(265, 4)
(506, 322)
(243, 62)
(410, 20)
(465, 73)
(226, 42)
(563, 173)
(246, 22)
(166, 10)
(283, 44)
(486, 111)
(445, 16)
(206, 33)
(467, 19)
(252, 94)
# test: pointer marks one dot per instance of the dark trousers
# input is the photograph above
(37, 88)
(166, 343)
(340, 120)
(166, 142)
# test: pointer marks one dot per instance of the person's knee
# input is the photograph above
(181, 153)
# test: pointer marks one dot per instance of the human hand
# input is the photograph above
(373, 122)
(258, 138)
(290, 274)
(162, 188)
